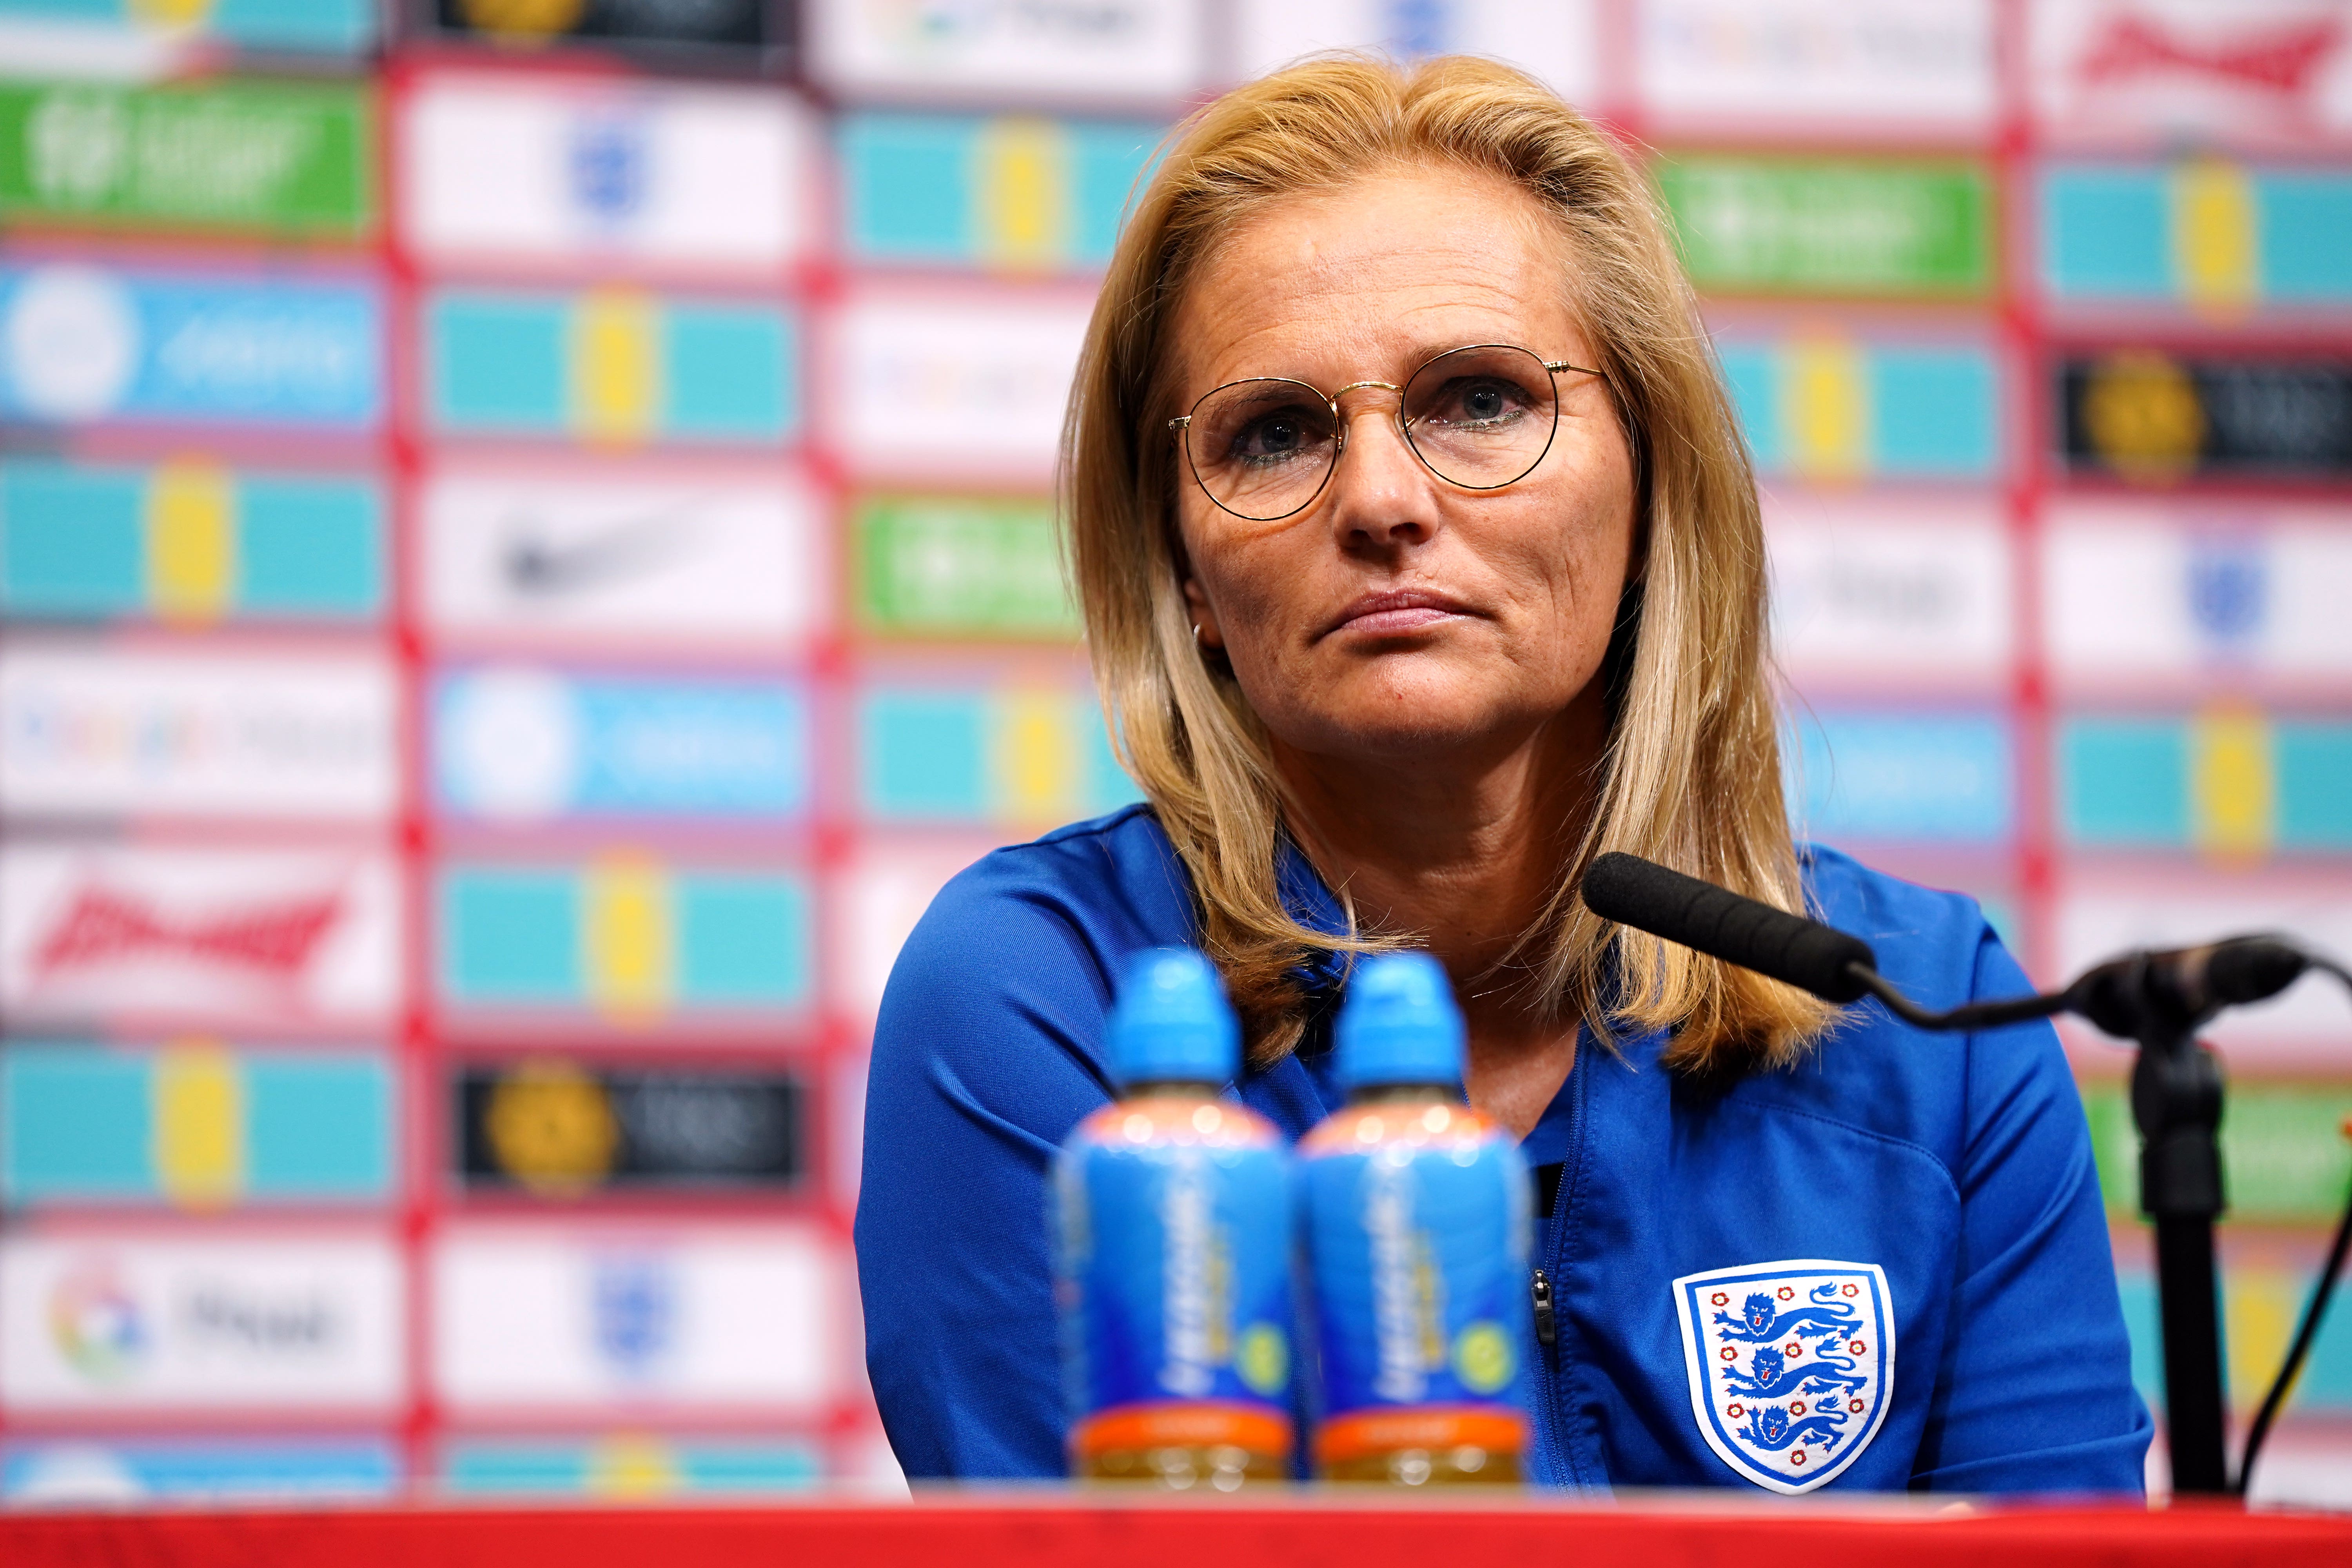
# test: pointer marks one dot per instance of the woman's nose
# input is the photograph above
(1381, 494)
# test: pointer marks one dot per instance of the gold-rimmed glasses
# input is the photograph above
(1480, 417)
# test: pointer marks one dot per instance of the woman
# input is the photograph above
(1420, 563)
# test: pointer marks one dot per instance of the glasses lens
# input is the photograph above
(1261, 448)
(1481, 416)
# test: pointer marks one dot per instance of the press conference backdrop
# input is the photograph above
(526, 556)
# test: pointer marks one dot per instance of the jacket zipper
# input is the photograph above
(1546, 1323)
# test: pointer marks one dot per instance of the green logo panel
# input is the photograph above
(274, 157)
(941, 567)
(1830, 227)
(2284, 1155)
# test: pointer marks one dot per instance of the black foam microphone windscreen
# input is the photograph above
(1722, 925)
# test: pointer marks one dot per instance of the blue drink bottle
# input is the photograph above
(1172, 1271)
(1416, 1217)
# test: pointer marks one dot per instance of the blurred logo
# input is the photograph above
(635, 1310)
(2228, 588)
(522, 20)
(102, 926)
(77, 144)
(610, 154)
(73, 342)
(536, 567)
(2284, 61)
(220, 1316)
(552, 1128)
(2141, 412)
(95, 1322)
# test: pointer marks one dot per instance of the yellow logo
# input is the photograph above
(1023, 198)
(1264, 1359)
(1482, 1359)
(521, 21)
(2215, 237)
(552, 1128)
(627, 938)
(2141, 413)
(192, 567)
(198, 1098)
(617, 381)
(1825, 399)
(2233, 786)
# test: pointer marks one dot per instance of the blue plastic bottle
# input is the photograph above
(1415, 1214)
(1173, 1220)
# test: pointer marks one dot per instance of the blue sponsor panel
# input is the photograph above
(2230, 780)
(296, 27)
(518, 743)
(189, 541)
(616, 367)
(1007, 194)
(2205, 231)
(83, 345)
(630, 937)
(207, 1470)
(1918, 777)
(637, 1468)
(195, 1126)
(1832, 407)
(1016, 757)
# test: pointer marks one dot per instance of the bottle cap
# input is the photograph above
(1171, 1023)
(1399, 1024)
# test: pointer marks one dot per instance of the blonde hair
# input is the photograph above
(1692, 772)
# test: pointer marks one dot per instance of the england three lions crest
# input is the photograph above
(1791, 1365)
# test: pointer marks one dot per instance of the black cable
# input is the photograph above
(2314, 1312)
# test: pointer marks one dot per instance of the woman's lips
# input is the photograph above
(1396, 612)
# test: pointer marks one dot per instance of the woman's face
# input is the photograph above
(1398, 615)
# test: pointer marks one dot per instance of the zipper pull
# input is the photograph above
(1539, 1292)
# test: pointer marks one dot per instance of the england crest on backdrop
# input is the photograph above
(1791, 1365)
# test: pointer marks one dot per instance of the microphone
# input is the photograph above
(2181, 985)
(1721, 924)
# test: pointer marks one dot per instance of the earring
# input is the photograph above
(1196, 634)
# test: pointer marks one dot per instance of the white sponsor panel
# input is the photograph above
(2135, 592)
(1556, 41)
(1922, 66)
(1867, 592)
(244, 937)
(535, 1319)
(95, 1323)
(111, 731)
(2159, 70)
(546, 170)
(969, 386)
(888, 890)
(2307, 1025)
(630, 556)
(1103, 50)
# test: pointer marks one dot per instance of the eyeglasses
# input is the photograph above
(1479, 417)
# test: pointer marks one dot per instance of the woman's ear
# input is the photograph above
(1205, 631)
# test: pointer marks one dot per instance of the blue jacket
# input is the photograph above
(1954, 1170)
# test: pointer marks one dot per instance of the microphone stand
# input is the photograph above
(2176, 1101)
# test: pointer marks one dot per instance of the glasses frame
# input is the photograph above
(1179, 427)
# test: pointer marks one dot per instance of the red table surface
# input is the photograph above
(1292, 1532)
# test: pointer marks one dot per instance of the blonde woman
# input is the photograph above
(1420, 563)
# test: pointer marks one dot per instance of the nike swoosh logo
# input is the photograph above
(535, 567)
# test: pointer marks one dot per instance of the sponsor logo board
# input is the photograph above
(1921, 66)
(123, 1323)
(625, 937)
(1018, 756)
(659, 29)
(290, 158)
(2146, 70)
(266, 938)
(67, 1473)
(2230, 781)
(2208, 233)
(196, 732)
(1556, 42)
(517, 168)
(635, 1467)
(195, 1124)
(1871, 590)
(1012, 194)
(1842, 227)
(191, 541)
(2152, 418)
(969, 386)
(519, 743)
(615, 367)
(543, 1318)
(557, 1129)
(632, 558)
(1821, 405)
(1903, 775)
(1132, 51)
(2135, 591)
(941, 566)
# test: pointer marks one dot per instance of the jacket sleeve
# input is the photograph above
(2035, 1392)
(986, 1054)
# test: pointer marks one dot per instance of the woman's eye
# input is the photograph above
(1272, 436)
(1481, 403)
